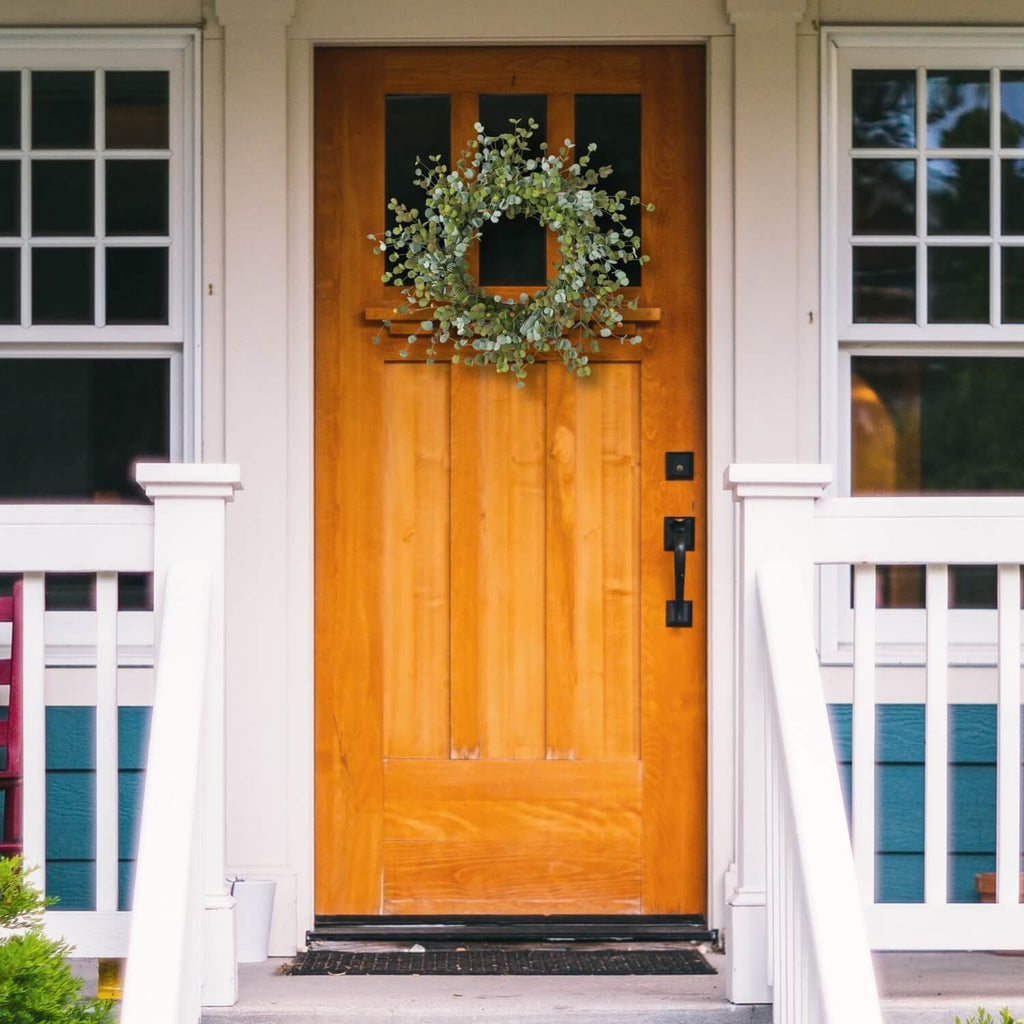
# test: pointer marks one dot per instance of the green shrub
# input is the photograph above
(984, 1017)
(36, 984)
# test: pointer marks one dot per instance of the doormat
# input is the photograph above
(504, 962)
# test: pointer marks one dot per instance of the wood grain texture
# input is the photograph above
(415, 523)
(497, 566)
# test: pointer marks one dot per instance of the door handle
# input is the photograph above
(679, 538)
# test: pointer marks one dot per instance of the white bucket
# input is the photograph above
(254, 904)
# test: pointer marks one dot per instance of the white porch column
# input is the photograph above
(767, 344)
(189, 512)
(775, 522)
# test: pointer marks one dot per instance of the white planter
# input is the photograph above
(254, 904)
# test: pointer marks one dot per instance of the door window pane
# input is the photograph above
(883, 109)
(958, 109)
(62, 197)
(884, 278)
(62, 109)
(62, 286)
(73, 428)
(137, 109)
(514, 251)
(884, 197)
(414, 126)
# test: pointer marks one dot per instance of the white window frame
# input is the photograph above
(900, 633)
(178, 341)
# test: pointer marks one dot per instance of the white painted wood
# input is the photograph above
(863, 769)
(1008, 850)
(34, 726)
(90, 934)
(936, 736)
(106, 743)
(161, 943)
(932, 926)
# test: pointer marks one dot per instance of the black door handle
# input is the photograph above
(679, 537)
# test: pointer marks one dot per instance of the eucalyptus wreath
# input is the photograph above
(498, 176)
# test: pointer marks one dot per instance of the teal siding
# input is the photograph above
(71, 801)
(899, 788)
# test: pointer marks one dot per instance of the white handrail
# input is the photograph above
(821, 963)
(164, 939)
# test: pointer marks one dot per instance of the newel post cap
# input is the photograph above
(777, 479)
(189, 479)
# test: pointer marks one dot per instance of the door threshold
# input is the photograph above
(527, 928)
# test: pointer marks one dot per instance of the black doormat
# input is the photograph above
(498, 961)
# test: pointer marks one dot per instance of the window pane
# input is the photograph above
(958, 109)
(1012, 97)
(958, 285)
(414, 126)
(1013, 286)
(137, 114)
(884, 197)
(614, 123)
(10, 198)
(62, 286)
(62, 197)
(10, 110)
(137, 286)
(62, 109)
(10, 286)
(1013, 197)
(958, 197)
(514, 251)
(884, 284)
(73, 428)
(884, 109)
(137, 197)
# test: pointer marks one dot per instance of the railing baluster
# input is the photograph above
(106, 742)
(1008, 742)
(936, 736)
(863, 724)
(34, 725)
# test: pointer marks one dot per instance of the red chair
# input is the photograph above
(10, 730)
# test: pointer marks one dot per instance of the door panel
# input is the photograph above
(504, 724)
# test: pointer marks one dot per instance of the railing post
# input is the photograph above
(775, 523)
(189, 513)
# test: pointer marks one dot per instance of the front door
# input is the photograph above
(504, 723)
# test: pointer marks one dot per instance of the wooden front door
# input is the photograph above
(504, 724)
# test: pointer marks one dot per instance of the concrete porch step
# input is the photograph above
(917, 988)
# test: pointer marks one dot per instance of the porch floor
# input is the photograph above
(917, 988)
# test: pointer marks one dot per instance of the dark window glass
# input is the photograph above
(514, 251)
(73, 428)
(137, 197)
(10, 198)
(62, 197)
(958, 285)
(958, 197)
(613, 123)
(884, 284)
(1012, 103)
(1013, 197)
(1013, 285)
(62, 109)
(137, 114)
(958, 109)
(137, 286)
(10, 286)
(884, 109)
(62, 286)
(414, 126)
(76, 592)
(135, 591)
(10, 109)
(884, 197)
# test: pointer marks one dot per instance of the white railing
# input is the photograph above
(180, 537)
(788, 531)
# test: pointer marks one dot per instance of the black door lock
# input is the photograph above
(679, 538)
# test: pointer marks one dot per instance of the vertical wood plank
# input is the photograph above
(106, 742)
(415, 522)
(1008, 738)
(863, 723)
(498, 601)
(34, 726)
(936, 735)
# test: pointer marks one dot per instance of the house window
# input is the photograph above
(924, 283)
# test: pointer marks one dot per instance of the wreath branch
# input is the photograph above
(426, 254)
